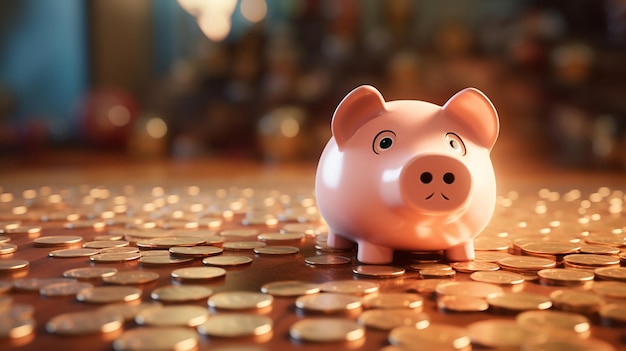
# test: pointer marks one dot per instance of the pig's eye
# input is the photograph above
(383, 141)
(456, 143)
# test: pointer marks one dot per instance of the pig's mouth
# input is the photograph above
(442, 195)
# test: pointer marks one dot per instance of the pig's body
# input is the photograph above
(408, 175)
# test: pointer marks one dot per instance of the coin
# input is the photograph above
(131, 277)
(173, 316)
(546, 342)
(611, 273)
(7, 248)
(473, 266)
(434, 266)
(103, 244)
(353, 287)
(108, 294)
(566, 324)
(387, 319)
(168, 242)
(81, 323)
(58, 240)
(114, 257)
(613, 314)
(243, 245)
(393, 300)
(460, 303)
(378, 271)
(240, 300)
(163, 260)
(195, 251)
(4, 239)
(426, 286)
(35, 284)
(290, 288)
(280, 236)
(328, 302)
(591, 260)
(525, 263)
(468, 288)
(598, 249)
(490, 256)
(89, 272)
(13, 327)
(518, 301)
(246, 233)
(493, 333)
(610, 289)
(276, 250)
(128, 310)
(157, 338)
(181, 293)
(146, 253)
(326, 330)
(437, 336)
(549, 248)
(63, 289)
(120, 250)
(235, 325)
(224, 261)
(564, 277)
(73, 253)
(198, 273)
(437, 273)
(576, 301)
(497, 277)
(17, 310)
(323, 260)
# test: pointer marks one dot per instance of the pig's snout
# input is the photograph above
(436, 184)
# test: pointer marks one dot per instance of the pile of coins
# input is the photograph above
(188, 267)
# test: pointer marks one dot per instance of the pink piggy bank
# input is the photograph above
(408, 175)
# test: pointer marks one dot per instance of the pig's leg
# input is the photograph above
(337, 241)
(374, 254)
(462, 252)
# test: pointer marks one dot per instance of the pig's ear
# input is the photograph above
(359, 106)
(474, 110)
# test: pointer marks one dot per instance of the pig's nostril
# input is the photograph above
(448, 178)
(426, 177)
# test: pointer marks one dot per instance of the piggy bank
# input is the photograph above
(408, 175)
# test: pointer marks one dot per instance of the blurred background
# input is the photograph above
(259, 79)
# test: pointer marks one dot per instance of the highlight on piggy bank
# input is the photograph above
(408, 174)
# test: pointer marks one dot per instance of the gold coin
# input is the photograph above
(576, 301)
(108, 237)
(4, 239)
(276, 250)
(353, 287)
(611, 273)
(564, 277)
(378, 271)
(545, 342)
(326, 330)
(459, 303)
(591, 260)
(598, 249)
(173, 316)
(13, 327)
(435, 266)
(614, 314)
(497, 277)
(328, 302)
(566, 324)
(387, 319)
(120, 250)
(473, 266)
(550, 248)
(281, 236)
(153, 338)
(323, 260)
(224, 261)
(195, 251)
(243, 245)
(426, 286)
(525, 263)
(163, 260)
(168, 242)
(72, 253)
(240, 300)
(490, 256)
(610, 289)
(63, 289)
(198, 273)
(290, 288)
(89, 272)
(146, 253)
(469, 289)
(59, 240)
(518, 301)
(181, 293)
(611, 240)
(7, 248)
(494, 333)
(82, 323)
(237, 233)
(235, 325)
(393, 300)
(131, 277)
(128, 311)
(436, 336)
(114, 257)
(109, 294)
(35, 284)
(437, 273)
(23, 229)
(104, 244)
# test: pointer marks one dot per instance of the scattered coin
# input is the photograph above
(468, 289)
(393, 300)
(549, 248)
(104, 244)
(613, 314)
(120, 250)
(525, 263)
(590, 260)
(490, 256)
(128, 310)
(7, 248)
(611, 273)
(549, 342)
(114, 257)
(610, 289)
(224, 261)
(437, 273)
(13, 327)
(173, 316)
(58, 240)
(81, 323)
(566, 324)
(168, 242)
(378, 271)
(598, 249)
(146, 253)
(89, 272)
(518, 301)
(326, 330)
(198, 273)
(387, 319)
(435, 266)
(328, 302)
(237, 233)
(280, 236)
(576, 301)
(195, 251)
(73, 253)
(131, 277)
(108, 294)
(235, 325)
(240, 300)
(323, 260)
(353, 287)
(36, 284)
(564, 277)
(4, 239)
(497, 277)
(290, 288)
(436, 336)
(163, 260)
(157, 338)
(181, 293)
(63, 289)
(426, 286)
(460, 303)
(276, 250)
(243, 245)
(494, 333)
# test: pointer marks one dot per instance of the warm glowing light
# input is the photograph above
(289, 127)
(213, 16)
(253, 10)
(119, 115)
(156, 127)
(215, 26)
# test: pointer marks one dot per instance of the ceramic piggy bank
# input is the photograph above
(408, 175)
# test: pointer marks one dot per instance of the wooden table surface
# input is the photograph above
(69, 170)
